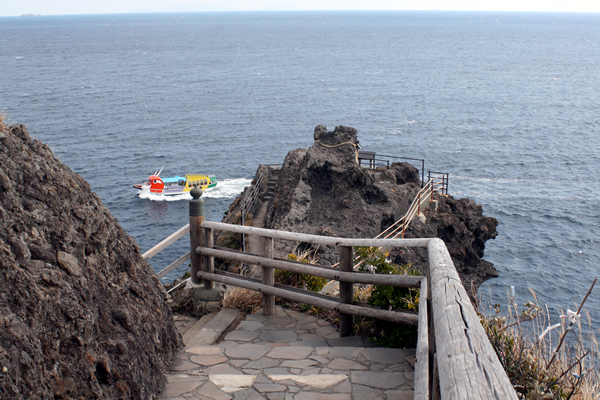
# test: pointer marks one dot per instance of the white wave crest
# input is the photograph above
(225, 189)
(228, 188)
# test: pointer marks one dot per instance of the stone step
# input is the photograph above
(193, 333)
(213, 328)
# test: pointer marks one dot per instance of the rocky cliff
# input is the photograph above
(322, 190)
(82, 315)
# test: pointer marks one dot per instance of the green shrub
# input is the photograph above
(308, 282)
(374, 260)
(384, 333)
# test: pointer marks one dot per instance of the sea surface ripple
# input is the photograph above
(507, 103)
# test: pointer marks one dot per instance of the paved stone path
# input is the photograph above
(290, 356)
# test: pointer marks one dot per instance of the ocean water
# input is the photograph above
(507, 103)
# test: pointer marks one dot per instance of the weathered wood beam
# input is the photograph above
(422, 365)
(268, 275)
(166, 243)
(322, 240)
(468, 367)
(320, 271)
(398, 317)
(174, 265)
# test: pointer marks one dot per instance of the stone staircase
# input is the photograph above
(287, 356)
(270, 188)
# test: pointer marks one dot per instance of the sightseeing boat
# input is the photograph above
(176, 184)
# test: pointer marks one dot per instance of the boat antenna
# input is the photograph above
(161, 168)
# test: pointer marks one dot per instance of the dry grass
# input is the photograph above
(544, 358)
(243, 299)
(3, 122)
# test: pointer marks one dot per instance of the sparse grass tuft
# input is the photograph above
(545, 361)
(243, 299)
(3, 122)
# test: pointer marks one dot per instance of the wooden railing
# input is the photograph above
(455, 360)
(422, 200)
(166, 243)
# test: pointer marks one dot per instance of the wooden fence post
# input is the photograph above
(196, 218)
(207, 262)
(346, 289)
(268, 275)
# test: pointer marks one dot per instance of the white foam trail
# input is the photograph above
(225, 189)
(228, 188)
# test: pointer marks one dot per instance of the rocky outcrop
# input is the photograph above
(82, 315)
(322, 190)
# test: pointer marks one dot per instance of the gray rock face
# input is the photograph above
(322, 190)
(82, 315)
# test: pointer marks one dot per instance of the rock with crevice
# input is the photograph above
(323, 190)
(82, 315)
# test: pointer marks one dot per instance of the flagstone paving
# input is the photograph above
(290, 356)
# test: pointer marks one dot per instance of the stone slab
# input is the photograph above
(247, 351)
(278, 336)
(381, 380)
(232, 383)
(193, 333)
(207, 360)
(290, 353)
(318, 381)
(384, 355)
(178, 388)
(203, 350)
(211, 391)
(345, 364)
(216, 326)
(242, 336)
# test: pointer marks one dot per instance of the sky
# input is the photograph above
(57, 7)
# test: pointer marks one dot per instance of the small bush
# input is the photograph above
(384, 333)
(308, 282)
(375, 261)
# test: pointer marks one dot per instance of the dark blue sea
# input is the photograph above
(507, 103)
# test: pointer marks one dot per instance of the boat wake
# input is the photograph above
(225, 189)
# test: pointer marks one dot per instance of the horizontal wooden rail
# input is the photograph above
(315, 239)
(174, 265)
(320, 271)
(393, 316)
(166, 243)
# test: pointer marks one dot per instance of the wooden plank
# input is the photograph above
(268, 275)
(468, 367)
(308, 298)
(173, 265)
(285, 287)
(422, 366)
(207, 262)
(166, 243)
(346, 289)
(322, 240)
(320, 271)
(195, 241)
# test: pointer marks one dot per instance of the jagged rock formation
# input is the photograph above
(82, 315)
(322, 190)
